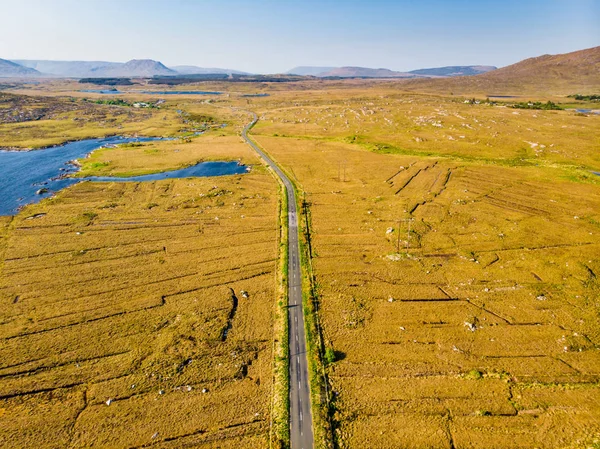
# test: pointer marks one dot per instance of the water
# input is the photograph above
(199, 170)
(28, 176)
(150, 92)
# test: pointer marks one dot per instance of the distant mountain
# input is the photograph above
(348, 72)
(71, 69)
(9, 69)
(365, 72)
(309, 70)
(133, 68)
(98, 69)
(458, 70)
(194, 70)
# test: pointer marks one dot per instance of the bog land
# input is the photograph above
(453, 243)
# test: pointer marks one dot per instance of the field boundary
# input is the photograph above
(279, 428)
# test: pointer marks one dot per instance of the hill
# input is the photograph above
(366, 72)
(195, 70)
(9, 69)
(309, 70)
(578, 66)
(459, 70)
(562, 74)
(349, 72)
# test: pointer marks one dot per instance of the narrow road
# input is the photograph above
(301, 432)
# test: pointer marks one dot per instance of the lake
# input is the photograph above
(29, 176)
(150, 92)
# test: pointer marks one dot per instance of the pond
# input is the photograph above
(28, 176)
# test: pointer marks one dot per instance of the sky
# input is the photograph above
(270, 36)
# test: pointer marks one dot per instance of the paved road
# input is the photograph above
(301, 432)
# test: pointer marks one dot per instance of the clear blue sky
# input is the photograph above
(268, 36)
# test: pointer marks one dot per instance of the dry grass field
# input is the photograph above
(455, 250)
(37, 122)
(124, 321)
(478, 326)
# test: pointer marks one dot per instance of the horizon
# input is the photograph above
(279, 36)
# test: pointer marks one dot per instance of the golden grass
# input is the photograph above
(476, 327)
(501, 242)
(105, 121)
(152, 157)
(120, 292)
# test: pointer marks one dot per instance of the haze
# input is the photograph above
(271, 36)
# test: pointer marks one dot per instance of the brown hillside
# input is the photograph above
(576, 72)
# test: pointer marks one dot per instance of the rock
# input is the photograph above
(244, 293)
(472, 327)
(205, 390)
(390, 299)
(109, 402)
(161, 391)
(41, 191)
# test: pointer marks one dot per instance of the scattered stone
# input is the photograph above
(472, 326)
(244, 294)
(109, 402)
(389, 230)
(541, 298)
(161, 391)
(205, 390)
(390, 299)
(155, 435)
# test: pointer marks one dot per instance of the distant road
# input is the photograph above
(301, 432)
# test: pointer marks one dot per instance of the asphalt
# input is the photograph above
(301, 432)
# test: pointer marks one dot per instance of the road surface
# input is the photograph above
(301, 432)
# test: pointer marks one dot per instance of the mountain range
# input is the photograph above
(572, 71)
(150, 68)
(460, 70)
(100, 69)
(365, 72)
